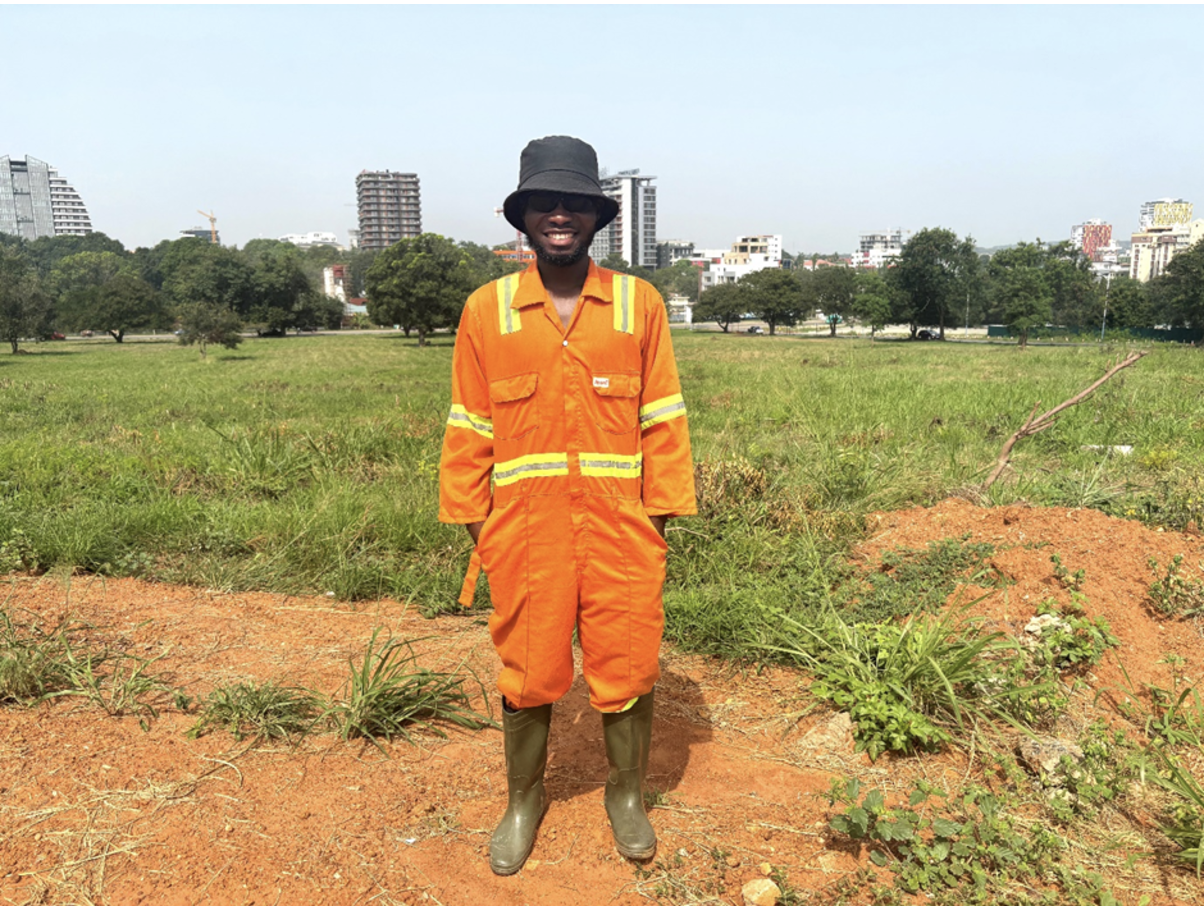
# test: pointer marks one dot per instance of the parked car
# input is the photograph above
(927, 335)
(57, 336)
(755, 329)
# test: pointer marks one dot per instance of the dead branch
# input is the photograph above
(1038, 423)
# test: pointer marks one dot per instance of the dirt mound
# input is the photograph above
(98, 809)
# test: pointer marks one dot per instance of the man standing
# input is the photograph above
(565, 452)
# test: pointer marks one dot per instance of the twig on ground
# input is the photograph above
(1038, 423)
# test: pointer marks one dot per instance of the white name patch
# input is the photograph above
(602, 382)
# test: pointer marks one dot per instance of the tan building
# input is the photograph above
(1155, 248)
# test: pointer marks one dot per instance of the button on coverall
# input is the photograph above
(564, 442)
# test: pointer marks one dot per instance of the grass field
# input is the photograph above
(310, 464)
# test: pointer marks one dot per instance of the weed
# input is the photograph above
(902, 683)
(387, 693)
(1100, 778)
(1172, 593)
(1067, 639)
(971, 851)
(264, 711)
(678, 879)
(1073, 581)
(1184, 821)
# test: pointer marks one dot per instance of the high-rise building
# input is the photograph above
(877, 249)
(1091, 236)
(35, 201)
(390, 208)
(673, 250)
(1164, 212)
(632, 234)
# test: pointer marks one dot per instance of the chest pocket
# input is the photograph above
(515, 406)
(616, 402)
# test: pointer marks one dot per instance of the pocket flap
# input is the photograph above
(518, 387)
(624, 385)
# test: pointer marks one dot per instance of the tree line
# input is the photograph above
(941, 282)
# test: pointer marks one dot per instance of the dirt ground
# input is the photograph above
(95, 809)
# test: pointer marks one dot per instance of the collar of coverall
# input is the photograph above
(531, 291)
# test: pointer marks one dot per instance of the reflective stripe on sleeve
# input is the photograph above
(462, 418)
(611, 465)
(623, 290)
(662, 410)
(533, 466)
(508, 318)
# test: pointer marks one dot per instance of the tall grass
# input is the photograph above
(311, 464)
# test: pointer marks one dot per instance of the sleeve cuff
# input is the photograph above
(662, 511)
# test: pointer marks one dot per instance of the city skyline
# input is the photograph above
(816, 123)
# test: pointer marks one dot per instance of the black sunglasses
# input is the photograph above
(546, 202)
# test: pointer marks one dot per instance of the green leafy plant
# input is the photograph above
(1172, 593)
(387, 693)
(902, 684)
(1072, 641)
(261, 711)
(1071, 580)
(1184, 821)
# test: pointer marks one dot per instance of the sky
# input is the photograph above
(818, 123)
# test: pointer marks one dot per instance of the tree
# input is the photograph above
(871, 302)
(616, 262)
(25, 309)
(1128, 305)
(46, 252)
(1026, 299)
(281, 293)
(490, 266)
(195, 271)
(205, 324)
(775, 296)
(421, 283)
(935, 270)
(724, 304)
(830, 290)
(126, 302)
(1180, 290)
(681, 279)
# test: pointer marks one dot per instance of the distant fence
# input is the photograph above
(1164, 335)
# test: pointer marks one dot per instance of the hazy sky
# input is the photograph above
(814, 122)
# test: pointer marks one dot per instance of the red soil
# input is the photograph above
(95, 809)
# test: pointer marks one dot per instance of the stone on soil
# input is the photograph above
(761, 892)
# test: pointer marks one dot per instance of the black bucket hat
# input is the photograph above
(558, 163)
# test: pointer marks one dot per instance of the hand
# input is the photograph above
(658, 523)
(474, 529)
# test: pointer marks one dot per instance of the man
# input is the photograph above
(566, 451)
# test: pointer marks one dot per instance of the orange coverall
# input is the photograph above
(564, 442)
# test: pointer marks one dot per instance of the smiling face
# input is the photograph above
(561, 237)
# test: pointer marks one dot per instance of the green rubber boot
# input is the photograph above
(526, 744)
(628, 737)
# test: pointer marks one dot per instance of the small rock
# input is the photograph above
(833, 735)
(765, 868)
(732, 861)
(761, 892)
(1044, 755)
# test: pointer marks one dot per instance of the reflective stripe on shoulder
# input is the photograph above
(508, 318)
(462, 418)
(623, 289)
(533, 466)
(662, 410)
(611, 465)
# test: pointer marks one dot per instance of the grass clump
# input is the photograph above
(261, 711)
(1174, 594)
(904, 685)
(387, 693)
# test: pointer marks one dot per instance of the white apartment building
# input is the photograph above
(876, 250)
(747, 255)
(632, 234)
(307, 240)
(35, 201)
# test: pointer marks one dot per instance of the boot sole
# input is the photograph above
(642, 855)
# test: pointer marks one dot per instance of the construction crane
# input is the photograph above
(212, 225)
(518, 240)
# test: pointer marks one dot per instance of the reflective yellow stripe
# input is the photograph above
(611, 465)
(662, 410)
(623, 289)
(462, 418)
(534, 466)
(507, 317)
(628, 706)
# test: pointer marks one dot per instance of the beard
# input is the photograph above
(556, 259)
